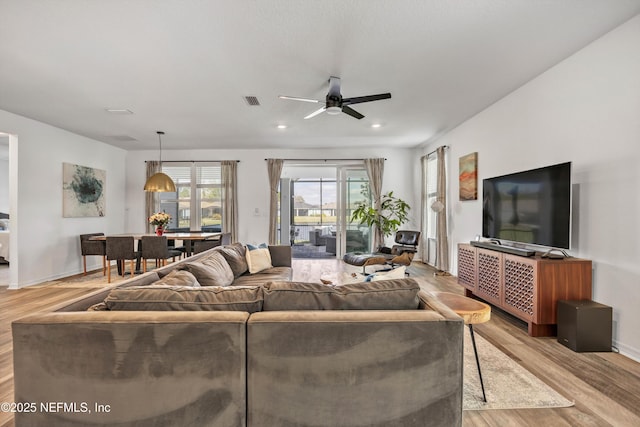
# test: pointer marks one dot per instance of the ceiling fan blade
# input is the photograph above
(368, 98)
(315, 113)
(350, 111)
(295, 98)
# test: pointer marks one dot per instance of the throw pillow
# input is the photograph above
(258, 259)
(180, 298)
(236, 258)
(398, 294)
(178, 278)
(212, 270)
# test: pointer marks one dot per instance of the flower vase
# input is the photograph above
(159, 230)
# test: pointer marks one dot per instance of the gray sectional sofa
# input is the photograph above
(262, 351)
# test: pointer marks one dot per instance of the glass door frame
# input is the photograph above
(342, 178)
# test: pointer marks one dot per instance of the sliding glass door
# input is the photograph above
(316, 203)
(354, 188)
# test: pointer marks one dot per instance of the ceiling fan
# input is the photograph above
(335, 103)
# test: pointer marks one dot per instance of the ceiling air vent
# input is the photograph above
(252, 100)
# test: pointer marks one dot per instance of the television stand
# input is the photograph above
(526, 287)
(505, 249)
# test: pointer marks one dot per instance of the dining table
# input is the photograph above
(187, 237)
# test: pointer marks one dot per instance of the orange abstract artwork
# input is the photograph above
(469, 177)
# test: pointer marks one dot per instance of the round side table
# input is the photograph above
(472, 312)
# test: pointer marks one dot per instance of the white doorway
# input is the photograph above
(5, 208)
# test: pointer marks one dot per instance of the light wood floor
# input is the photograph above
(604, 386)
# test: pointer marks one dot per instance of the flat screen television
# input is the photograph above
(531, 207)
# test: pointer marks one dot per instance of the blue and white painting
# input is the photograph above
(84, 191)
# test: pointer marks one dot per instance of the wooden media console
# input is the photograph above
(526, 287)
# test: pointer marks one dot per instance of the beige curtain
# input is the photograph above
(274, 167)
(151, 197)
(424, 210)
(375, 171)
(442, 239)
(230, 198)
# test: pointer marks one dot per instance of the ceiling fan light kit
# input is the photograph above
(335, 103)
(160, 182)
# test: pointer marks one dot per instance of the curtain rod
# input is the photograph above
(321, 160)
(194, 161)
(444, 146)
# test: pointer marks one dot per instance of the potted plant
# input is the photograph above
(391, 215)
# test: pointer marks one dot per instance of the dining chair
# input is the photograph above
(120, 248)
(92, 247)
(203, 245)
(156, 248)
(225, 239)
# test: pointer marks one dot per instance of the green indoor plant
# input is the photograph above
(392, 214)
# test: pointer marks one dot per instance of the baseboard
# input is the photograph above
(48, 279)
(627, 351)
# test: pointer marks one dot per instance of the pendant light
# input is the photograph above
(160, 182)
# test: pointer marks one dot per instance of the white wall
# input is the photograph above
(253, 182)
(585, 110)
(45, 245)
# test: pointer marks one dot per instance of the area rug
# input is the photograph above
(507, 384)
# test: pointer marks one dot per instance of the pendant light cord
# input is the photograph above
(160, 140)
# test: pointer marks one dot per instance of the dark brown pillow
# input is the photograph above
(212, 270)
(180, 298)
(398, 294)
(235, 256)
(178, 278)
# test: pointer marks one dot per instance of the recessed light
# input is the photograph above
(118, 111)
(376, 125)
(282, 126)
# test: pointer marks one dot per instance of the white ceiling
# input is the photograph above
(184, 66)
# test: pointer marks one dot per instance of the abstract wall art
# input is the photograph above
(468, 177)
(83, 191)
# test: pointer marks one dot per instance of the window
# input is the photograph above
(197, 202)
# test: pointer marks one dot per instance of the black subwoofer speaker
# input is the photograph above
(584, 325)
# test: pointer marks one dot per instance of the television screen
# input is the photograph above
(533, 206)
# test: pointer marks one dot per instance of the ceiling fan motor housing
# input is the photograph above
(334, 104)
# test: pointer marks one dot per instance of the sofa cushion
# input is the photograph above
(178, 278)
(180, 298)
(236, 258)
(211, 270)
(144, 279)
(274, 274)
(258, 259)
(398, 294)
